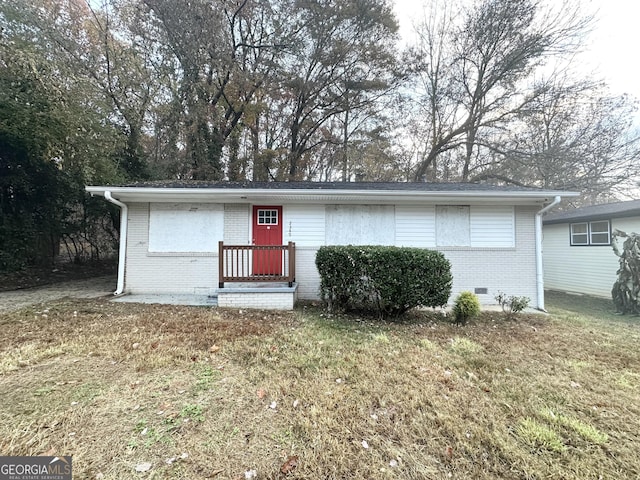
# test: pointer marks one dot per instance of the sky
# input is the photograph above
(611, 51)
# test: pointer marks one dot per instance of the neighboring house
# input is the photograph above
(171, 233)
(578, 256)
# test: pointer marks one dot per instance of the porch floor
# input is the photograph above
(208, 300)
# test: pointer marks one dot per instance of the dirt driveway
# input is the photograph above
(86, 288)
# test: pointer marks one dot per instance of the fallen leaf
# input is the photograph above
(261, 393)
(290, 464)
(448, 451)
(143, 467)
(214, 348)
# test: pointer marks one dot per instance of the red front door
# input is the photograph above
(267, 230)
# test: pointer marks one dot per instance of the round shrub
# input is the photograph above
(465, 307)
(384, 280)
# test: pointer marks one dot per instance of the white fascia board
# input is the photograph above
(251, 195)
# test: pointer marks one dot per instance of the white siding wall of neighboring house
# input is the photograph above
(164, 272)
(585, 269)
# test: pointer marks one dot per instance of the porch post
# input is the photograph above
(220, 264)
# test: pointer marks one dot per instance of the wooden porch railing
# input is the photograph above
(256, 263)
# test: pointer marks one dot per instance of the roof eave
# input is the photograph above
(241, 195)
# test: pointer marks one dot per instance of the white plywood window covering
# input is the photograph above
(184, 227)
(360, 225)
(452, 226)
(492, 226)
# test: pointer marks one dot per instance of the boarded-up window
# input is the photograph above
(360, 225)
(490, 226)
(184, 227)
(452, 226)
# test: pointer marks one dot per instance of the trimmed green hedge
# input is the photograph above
(381, 279)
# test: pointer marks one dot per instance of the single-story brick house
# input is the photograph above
(578, 256)
(174, 235)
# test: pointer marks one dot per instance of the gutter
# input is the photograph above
(252, 193)
(539, 268)
(124, 211)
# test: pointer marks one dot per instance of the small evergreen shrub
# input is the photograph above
(465, 307)
(512, 305)
(387, 281)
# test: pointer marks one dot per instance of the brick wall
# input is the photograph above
(180, 273)
(259, 300)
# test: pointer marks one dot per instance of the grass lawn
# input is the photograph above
(181, 392)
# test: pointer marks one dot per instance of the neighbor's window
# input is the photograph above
(591, 233)
(599, 233)
(580, 234)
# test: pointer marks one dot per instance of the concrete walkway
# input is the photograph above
(87, 288)
(170, 299)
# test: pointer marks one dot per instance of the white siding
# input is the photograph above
(492, 226)
(360, 225)
(415, 226)
(585, 269)
(304, 224)
(185, 227)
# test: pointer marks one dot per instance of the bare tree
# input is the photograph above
(574, 136)
(473, 67)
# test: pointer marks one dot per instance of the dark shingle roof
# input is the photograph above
(364, 186)
(596, 212)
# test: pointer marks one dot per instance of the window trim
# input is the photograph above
(589, 234)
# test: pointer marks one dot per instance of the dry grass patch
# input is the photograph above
(206, 393)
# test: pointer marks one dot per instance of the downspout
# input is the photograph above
(539, 268)
(124, 210)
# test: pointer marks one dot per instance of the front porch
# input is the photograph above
(263, 276)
